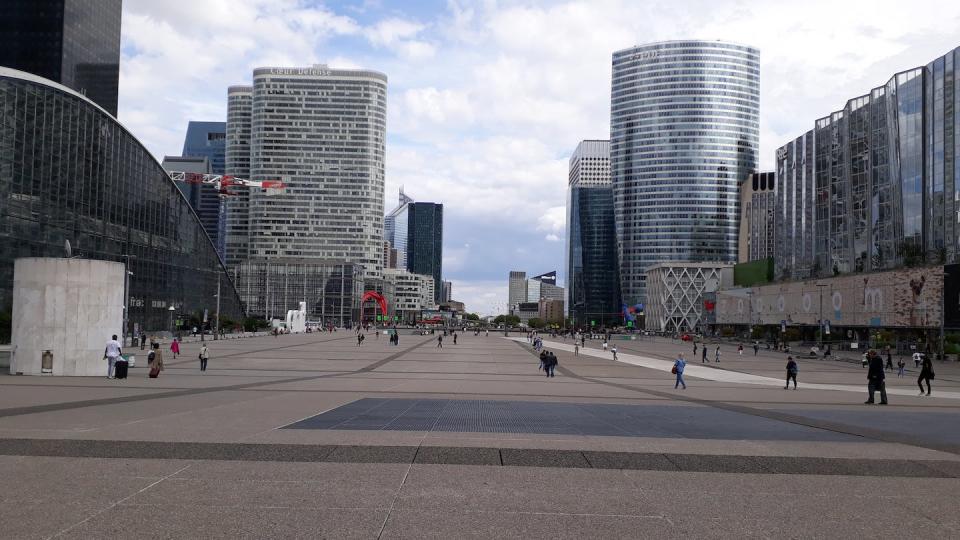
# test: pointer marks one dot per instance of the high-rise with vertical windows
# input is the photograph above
(206, 140)
(73, 42)
(593, 287)
(424, 251)
(684, 127)
(237, 163)
(876, 185)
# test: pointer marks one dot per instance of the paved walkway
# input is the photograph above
(712, 373)
(308, 436)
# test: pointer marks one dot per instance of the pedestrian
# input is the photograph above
(604, 344)
(718, 354)
(576, 348)
(175, 347)
(917, 358)
(740, 349)
(756, 348)
(901, 367)
(203, 356)
(875, 378)
(454, 338)
(143, 339)
(543, 361)
(614, 349)
(439, 341)
(694, 348)
(111, 353)
(486, 333)
(678, 368)
(551, 363)
(926, 374)
(359, 339)
(155, 361)
(792, 370)
(583, 341)
(703, 352)
(889, 359)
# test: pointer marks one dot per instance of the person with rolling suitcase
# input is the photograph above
(155, 361)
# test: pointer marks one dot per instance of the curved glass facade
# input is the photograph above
(684, 129)
(70, 172)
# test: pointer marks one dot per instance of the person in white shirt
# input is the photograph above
(111, 353)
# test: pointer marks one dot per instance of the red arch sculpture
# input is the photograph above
(374, 295)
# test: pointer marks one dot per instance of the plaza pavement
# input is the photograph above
(308, 436)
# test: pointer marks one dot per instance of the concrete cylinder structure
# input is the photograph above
(69, 307)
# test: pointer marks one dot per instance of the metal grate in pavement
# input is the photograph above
(538, 417)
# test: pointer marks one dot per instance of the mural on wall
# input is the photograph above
(909, 297)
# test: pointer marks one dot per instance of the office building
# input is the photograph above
(331, 289)
(675, 296)
(395, 228)
(550, 311)
(320, 131)
(544, 286)
(71, 173)
(208, 139)
(72, 42)
(425, 242)
(412, 294)
(237, 163)
(684, 125)
(757, 206)
(447, 293)
(203, 198)
(593, 283)
(875, 186)
(517, 291)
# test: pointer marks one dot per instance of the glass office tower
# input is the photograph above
(208, 139)
(684, 127)
(69, 172)
(73, 42)
(593, 286)
(424, 250)
(881, 177)
(237, 163)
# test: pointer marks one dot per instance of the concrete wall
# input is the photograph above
(70, 307)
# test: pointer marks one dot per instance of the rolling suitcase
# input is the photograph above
(120, 369)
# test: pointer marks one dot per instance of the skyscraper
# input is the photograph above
(395, 228)
(425, 242)
(517, 292)
(207, 140)
(73, 42)
(237, 163)
(322, 132)
(684, 125)
(593, 287)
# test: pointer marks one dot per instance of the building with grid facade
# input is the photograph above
(237, 163)
(875, 186)
(684, 129)
(70, 172)
(593, 284)
(675, 301)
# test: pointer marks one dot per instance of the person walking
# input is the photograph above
(917, 358)
(454, 338)
(926, 374)
(889, 358)
(756, 348)
(694, 348)
(718, 354)
(143, 340)
(901, 368)
(604, 344)
(678, 368)
(175, 347)
(703, 352)
(614, 350)
(740, 349)
(359, 339)
(110, 353)
(155, 361)
(576, 348)
(203, 356)
(550, 363)
(875, 378)
(439, 341)
(792, 370)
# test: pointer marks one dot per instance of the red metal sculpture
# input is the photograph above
(374, 295)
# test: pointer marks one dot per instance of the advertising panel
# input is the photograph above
(909, 297)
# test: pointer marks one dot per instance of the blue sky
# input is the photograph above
(487, 99)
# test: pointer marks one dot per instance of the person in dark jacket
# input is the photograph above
(543, 361)
(875, 377)
(926, 374)
(792, 370)
(550, 363)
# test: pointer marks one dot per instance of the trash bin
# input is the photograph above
(46, 362)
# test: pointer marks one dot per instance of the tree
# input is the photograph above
(512, 320)
(471, 317)
(499, 319)
(535, 323)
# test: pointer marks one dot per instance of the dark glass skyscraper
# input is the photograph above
(684, 130)
(593, 287)
(208, 139)
(73, 42)
(425, 242)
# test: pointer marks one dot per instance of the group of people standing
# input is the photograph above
(117, 364)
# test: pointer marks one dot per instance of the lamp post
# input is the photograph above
(820, 331)
(750, 314)
(170, 310)
(126, 296)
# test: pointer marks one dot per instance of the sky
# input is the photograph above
(488, 99)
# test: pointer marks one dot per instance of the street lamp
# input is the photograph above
(126, 296)
(170, 310)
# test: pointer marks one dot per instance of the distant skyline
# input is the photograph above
(487, 100)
